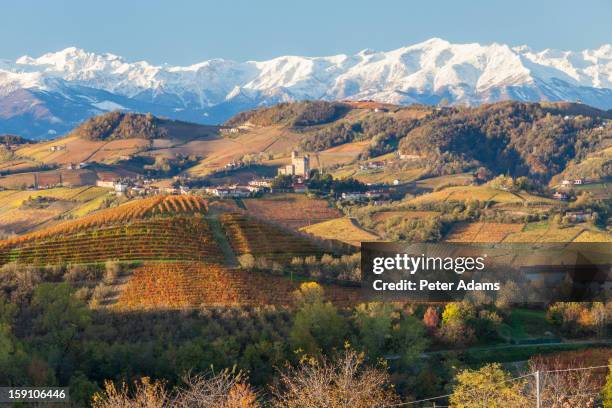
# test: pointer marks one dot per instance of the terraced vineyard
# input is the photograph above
(248, 236)
(482, 232)
(191, 284)
(137, 209)
(176, 238)
(491, 232)
(160, 228)
(293, 210)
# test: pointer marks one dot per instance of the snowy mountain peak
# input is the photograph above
(426, 72)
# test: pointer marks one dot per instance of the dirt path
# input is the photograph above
(217, 231)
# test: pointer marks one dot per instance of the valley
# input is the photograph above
(239, 244)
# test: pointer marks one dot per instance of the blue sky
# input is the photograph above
(189, 31)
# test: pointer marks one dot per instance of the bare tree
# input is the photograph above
(224, 390)
(344, 383)
(146, 394)
(561, 386)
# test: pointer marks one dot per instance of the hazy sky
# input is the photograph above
(189, 31)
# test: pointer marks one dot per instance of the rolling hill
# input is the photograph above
(175, 252)
(543, 141)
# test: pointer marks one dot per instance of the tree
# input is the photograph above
(317, 325)
(61, 318)
(431, 319)
(560, 387)
(374, 323)
(455, 329)
(13, 358)
(345, 382)
(146, 394)
(224, 390)
(409, 340)
(607, 389)
(488, 387)
(282, 182)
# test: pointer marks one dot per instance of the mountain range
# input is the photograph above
(46, 96)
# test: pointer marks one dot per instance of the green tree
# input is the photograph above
(282, 182)
(374, 322)
(60, 319)
(317, 325)
(409, 339)
(12, 356)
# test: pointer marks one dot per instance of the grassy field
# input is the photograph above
(341, 229)
(527, 324)
(78, 150)
(340, 155)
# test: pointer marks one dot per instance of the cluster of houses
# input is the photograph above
(566, 185)
(232, 191)
(139, 187)
(254, 187)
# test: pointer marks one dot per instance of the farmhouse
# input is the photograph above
(57, 148)
(405, 156)
(560, 196)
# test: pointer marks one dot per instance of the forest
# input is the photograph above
(50, 336)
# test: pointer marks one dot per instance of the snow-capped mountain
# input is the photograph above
(48, 95)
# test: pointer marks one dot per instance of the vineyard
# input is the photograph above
(293, 210)
(248, 236)
(191, 284)
(137, 209)
(482, 232)
(161, 227)
(176, 238)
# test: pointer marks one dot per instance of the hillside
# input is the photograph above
(305, 113)
(509, 137)
(543, 141)
(119, 125)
